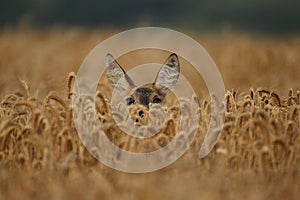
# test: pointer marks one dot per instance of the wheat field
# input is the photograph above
(42, 157)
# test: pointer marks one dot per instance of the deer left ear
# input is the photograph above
(117, 76)
(168, 74)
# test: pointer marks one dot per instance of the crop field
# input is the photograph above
(42, 157)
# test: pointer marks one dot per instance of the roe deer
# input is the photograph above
(143, 96)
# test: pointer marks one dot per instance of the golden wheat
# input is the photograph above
(256, 157)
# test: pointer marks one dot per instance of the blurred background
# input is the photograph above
(41, 41)
(261, 16)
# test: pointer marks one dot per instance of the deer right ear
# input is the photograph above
(168, 74)
(117, 76)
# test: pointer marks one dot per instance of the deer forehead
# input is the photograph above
(143, 92)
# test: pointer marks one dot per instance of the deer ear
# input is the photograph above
(168, 74)
(117, 76)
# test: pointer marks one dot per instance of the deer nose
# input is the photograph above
(141, 113)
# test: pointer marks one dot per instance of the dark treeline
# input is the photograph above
(275, 16)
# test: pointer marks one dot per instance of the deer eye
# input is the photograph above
(156, 100)
(130, 101)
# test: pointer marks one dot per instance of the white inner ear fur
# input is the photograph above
(168, 75)
(117, 76)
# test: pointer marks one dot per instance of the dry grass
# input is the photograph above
(41, 156)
